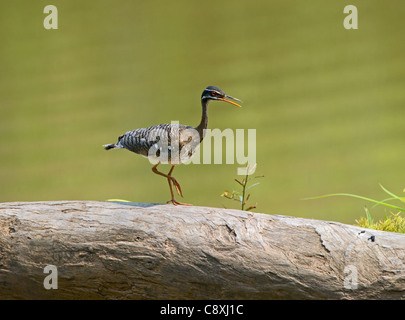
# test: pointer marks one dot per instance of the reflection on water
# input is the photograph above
(327, 103)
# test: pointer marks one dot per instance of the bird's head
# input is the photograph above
(215, 93)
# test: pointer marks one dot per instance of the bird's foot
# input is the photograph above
(177, 203)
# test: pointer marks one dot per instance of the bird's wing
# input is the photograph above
(157, 140)
(138, 141)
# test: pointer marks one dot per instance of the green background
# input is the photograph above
(327, 103)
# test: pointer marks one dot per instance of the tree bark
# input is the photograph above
(104, 250)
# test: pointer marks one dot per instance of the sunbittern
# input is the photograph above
(171, 143)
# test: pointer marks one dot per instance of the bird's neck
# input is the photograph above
(204, 119)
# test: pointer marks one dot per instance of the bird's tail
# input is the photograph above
(110, 146)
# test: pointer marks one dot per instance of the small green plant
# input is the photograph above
(394, 222)
(241, 196)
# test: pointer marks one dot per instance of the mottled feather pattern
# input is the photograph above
(158, 140)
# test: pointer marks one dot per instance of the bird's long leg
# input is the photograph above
(173, 200)
(176, 184)
(171, 179)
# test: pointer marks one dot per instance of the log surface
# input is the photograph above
(105, 250)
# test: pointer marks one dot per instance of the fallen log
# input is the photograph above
(104, 250)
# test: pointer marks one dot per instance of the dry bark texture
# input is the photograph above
(148, 251)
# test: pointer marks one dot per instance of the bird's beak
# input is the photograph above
(231, 102)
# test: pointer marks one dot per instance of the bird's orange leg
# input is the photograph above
(174, 201)
(176, 184)
(171, 179)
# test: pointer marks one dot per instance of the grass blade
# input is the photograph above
(369, 218)
(117, 200)
(385, 200)
(359, 197)
(391, 194)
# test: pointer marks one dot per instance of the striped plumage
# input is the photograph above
(170, 143)
(159, 142)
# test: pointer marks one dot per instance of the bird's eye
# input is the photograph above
(213, 93)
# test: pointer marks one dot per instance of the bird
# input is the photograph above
(171, 143)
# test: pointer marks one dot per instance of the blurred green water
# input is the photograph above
(327, 103)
